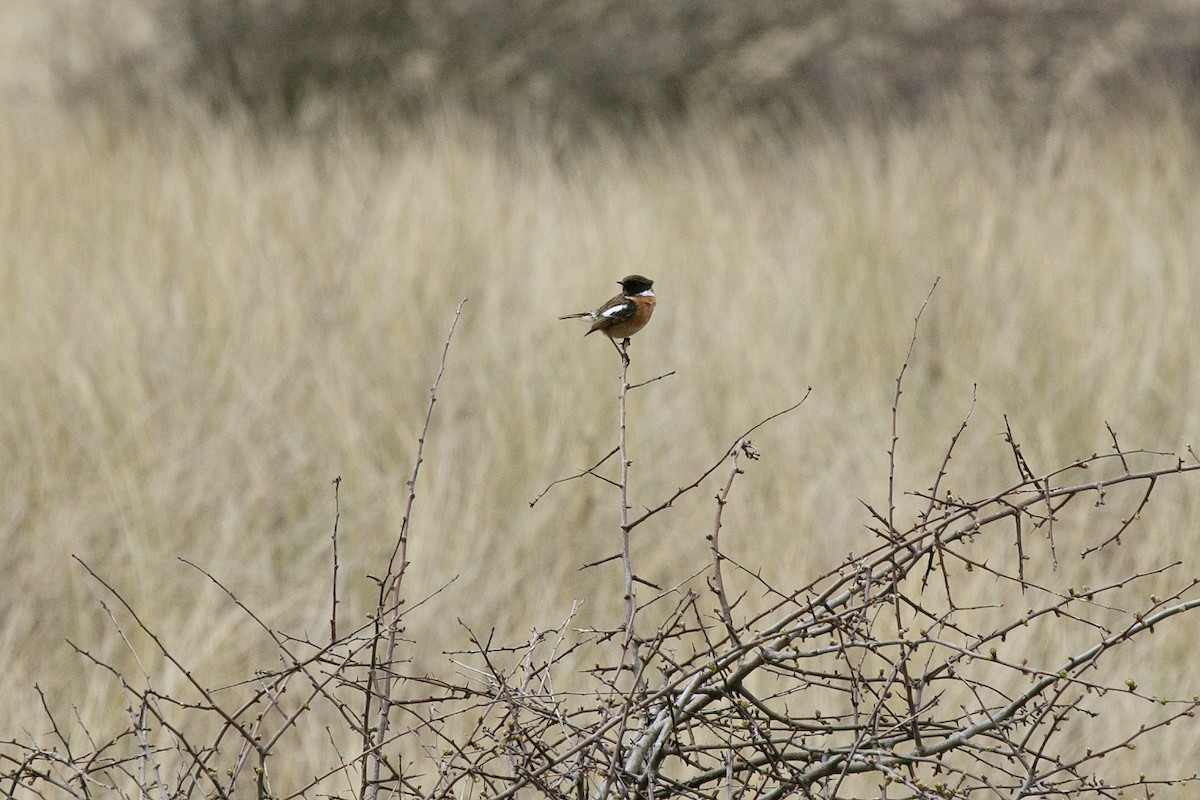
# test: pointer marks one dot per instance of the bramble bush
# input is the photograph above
(872, 679)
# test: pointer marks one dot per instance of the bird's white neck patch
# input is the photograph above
(647, 293)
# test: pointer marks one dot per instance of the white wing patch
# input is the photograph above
(620, 308)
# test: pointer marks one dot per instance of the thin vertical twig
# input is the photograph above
(381, 677)
(891, 514)
(742, 446)
(337, 516)
(894, 536)
(630, 645)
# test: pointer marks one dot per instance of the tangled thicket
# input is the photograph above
(869, 680)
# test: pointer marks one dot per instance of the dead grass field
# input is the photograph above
(200, 330)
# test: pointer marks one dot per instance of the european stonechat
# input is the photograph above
(625, 314)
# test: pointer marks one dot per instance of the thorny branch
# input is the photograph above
(874, 678)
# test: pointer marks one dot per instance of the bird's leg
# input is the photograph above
(624, 348)
(618, 348)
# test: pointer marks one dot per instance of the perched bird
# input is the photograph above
(625, 314)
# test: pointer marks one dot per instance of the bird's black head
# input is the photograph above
(635, 284)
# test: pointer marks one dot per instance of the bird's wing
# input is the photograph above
(618, 309)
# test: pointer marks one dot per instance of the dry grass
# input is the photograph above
(201, 330)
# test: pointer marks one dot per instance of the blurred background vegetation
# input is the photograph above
(573, 63)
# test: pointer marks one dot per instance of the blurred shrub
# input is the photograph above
(625, 58)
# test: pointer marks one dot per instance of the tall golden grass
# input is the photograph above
(201, 329)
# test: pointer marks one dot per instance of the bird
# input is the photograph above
(623, 315)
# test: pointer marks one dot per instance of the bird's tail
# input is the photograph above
(580, 315)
